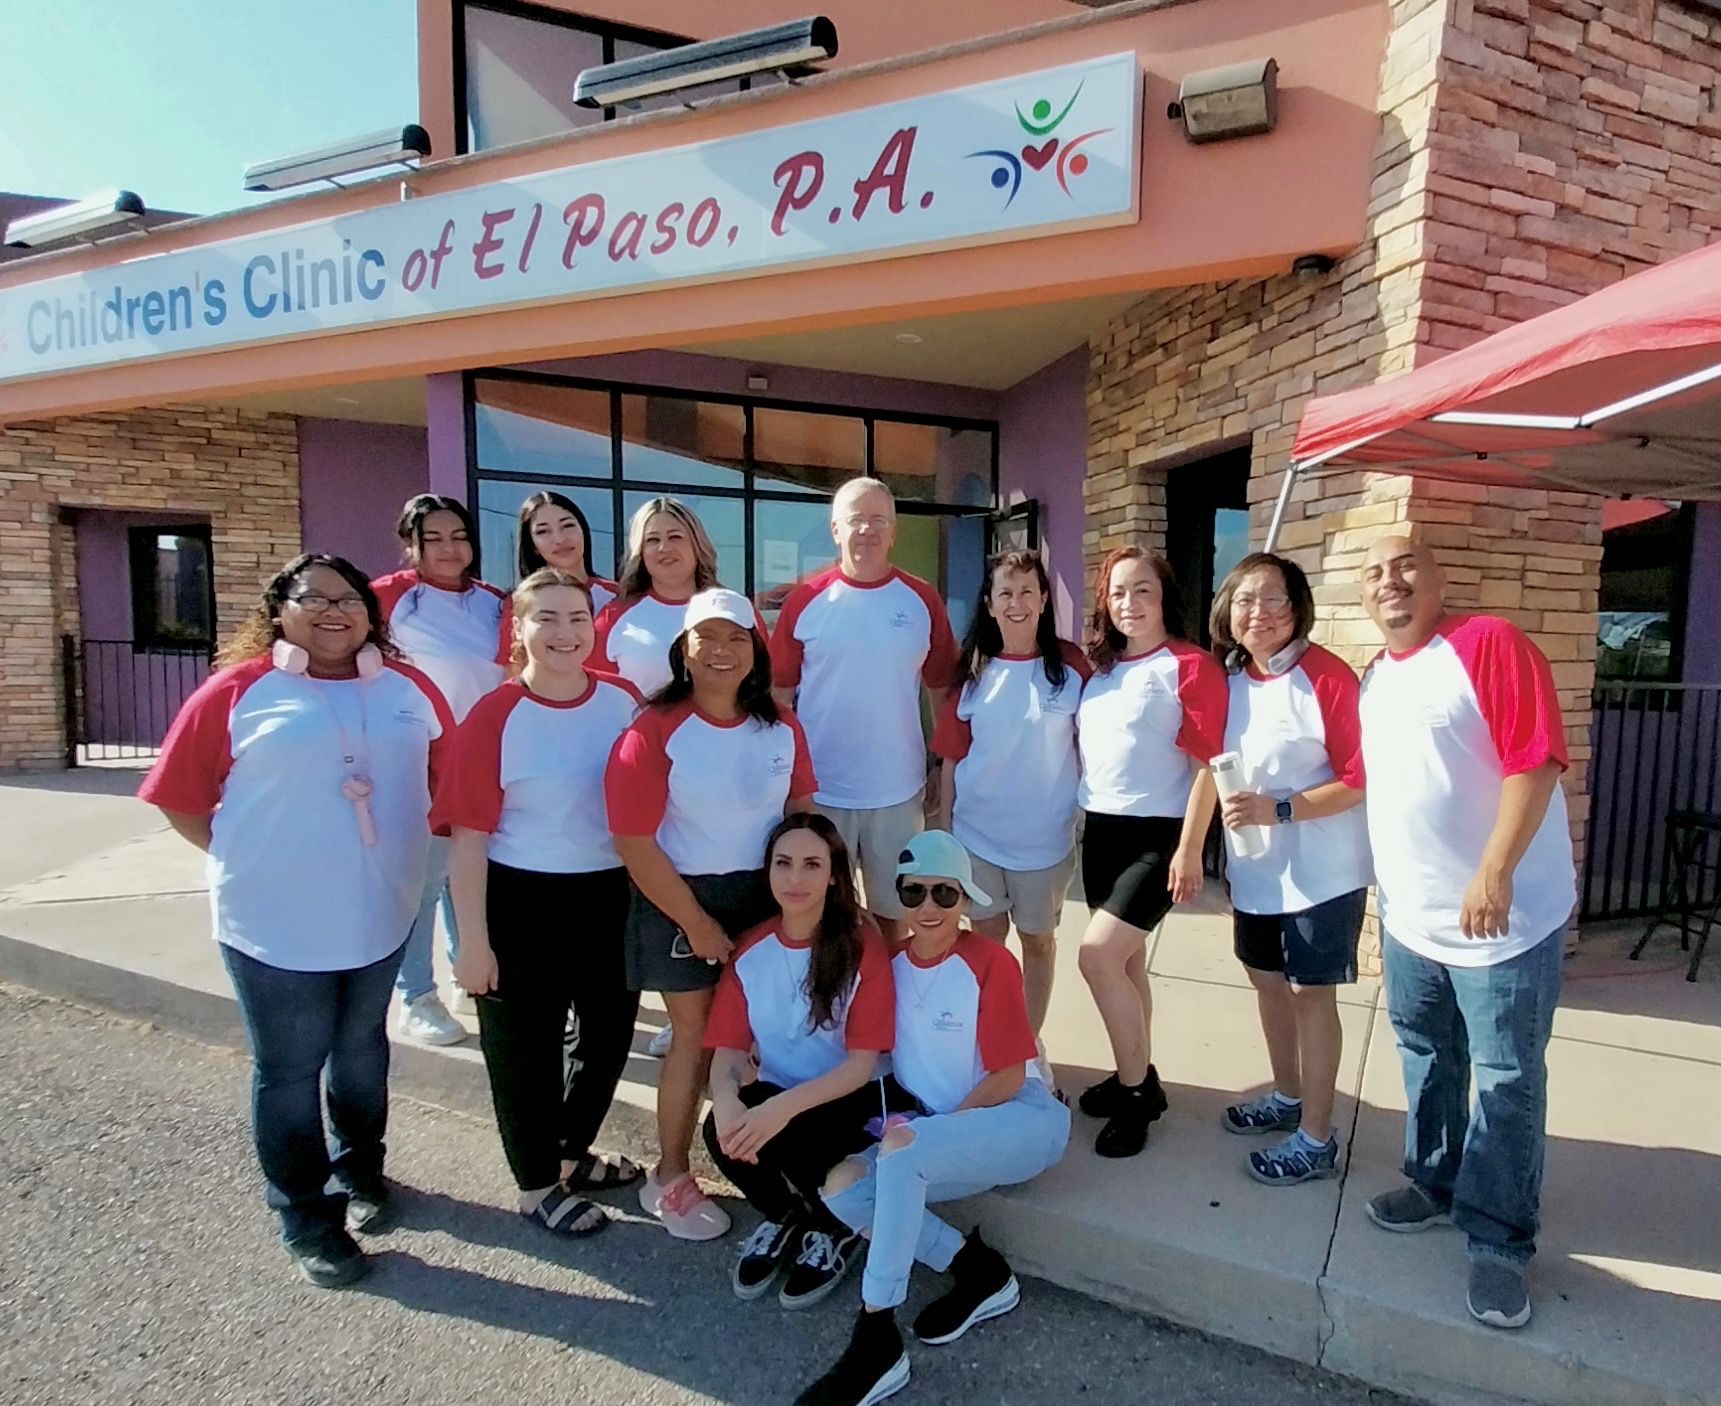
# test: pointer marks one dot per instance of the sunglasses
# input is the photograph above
(913, 894)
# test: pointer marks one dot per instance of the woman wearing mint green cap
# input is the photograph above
(964, 1053)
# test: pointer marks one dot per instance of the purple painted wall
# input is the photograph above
(445, 433)
(1043, 453)
(353, 477)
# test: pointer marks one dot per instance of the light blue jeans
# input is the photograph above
(417, 974)
(953, 1155)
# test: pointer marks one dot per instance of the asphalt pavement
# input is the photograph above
(140, 1265)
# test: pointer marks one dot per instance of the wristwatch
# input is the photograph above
(1282, 811)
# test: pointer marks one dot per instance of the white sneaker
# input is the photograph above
(460, 1002)
(426, 1021)
(687, 1212)
(659, 1045)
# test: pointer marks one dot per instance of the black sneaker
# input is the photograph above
(329, 1258)
(1407, 1210)
(824, 1259)
(1103, 1099)
(1125, 1133)
(763, 1255)
(984, 1288)
(872, 1367)
(368, 1208)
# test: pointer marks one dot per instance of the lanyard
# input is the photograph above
(357, 787)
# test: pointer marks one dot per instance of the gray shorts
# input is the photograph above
(875, 839)
(737, 901)
(1034, 898)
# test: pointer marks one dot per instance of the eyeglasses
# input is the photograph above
(914, 894)
(1273, 605)
(316, 603)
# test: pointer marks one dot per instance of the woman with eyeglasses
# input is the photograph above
(554, 532)
(981, 1117)
(810, 991)
(694, 788)
(1151, 717)
(542, 898)
(303, 768)
(453, 626)
(1298, 902)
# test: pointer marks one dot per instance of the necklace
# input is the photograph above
(358, 787)
(922, 990)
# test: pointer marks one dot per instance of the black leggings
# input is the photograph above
(558, 944)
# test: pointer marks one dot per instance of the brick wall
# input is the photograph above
(238, 470)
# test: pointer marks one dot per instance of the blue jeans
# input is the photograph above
(1484, 1163)
(309, 1031)
(417, 972)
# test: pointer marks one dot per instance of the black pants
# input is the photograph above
(783, 1185)
(558, 944)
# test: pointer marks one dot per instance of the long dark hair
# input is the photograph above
(986, 638)
(1106, 642)
(836, 954)
(259, 630)
(754, 698)
(528, 557)
(410, 528)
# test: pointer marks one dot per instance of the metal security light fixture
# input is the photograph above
(777, 47)
(398, 146)
(78, 220)
(1239, 100)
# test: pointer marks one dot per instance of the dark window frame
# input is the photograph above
(1684, 533)
(141, 562)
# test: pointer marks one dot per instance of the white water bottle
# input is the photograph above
(1248, 841)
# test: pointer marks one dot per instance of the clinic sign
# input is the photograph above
(1044, 153)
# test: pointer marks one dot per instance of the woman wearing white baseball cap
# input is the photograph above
(965, 1052)
(694, 788)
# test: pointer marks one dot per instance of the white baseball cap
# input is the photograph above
(719, 603)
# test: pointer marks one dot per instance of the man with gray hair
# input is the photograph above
(858, 640)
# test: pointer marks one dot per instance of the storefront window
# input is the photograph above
(1646, 560)
(173, 602)
(669, 440)
(527, 427)
(498, 523)
(798, 449)
(791, 541)
(934, 463)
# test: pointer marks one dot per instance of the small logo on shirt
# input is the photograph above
(781, 765)
(947, 1021)
(902, 620)
(408, 715)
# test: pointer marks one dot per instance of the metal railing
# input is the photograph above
(121, 697)
(1655, 749)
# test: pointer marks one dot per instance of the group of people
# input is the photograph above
(613, 788)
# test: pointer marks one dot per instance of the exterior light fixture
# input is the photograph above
(398, 146)
(777, 47)
(1239, 100)
(1312, 266)
(77, 220)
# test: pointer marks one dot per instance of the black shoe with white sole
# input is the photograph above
(872, 1367)
(329, 1258)
(824, 1258)
(984, 1288)
(369, 1208)
(763, 1255)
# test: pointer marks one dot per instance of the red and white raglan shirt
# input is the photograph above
(1144, 727)
(1012, 735)
(461, 639)
(603, 592)
(958, 1020)
(761, 1002)
(1294, 731)
(529, 773)
(859, 651)
(710, 791)
(1443, 726)
(634, 636)
(262, 752)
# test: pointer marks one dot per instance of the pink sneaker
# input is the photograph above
(687, 1212)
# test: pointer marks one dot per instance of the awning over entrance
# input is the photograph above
(1618, 393)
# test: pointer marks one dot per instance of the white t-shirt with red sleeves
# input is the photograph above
(1296, 731)
(958, 1020)
(710, 791)
(461, 639)
(858, 651)
(262, 752)
(1012, 735)
(1144, 727)
(1443, 726)
(762, 1001)
(529, 772)
(603, 592)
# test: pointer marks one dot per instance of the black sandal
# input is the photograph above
(597, 1173)
(565, 1212)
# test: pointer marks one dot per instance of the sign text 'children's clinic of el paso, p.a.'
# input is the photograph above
(1042, 153)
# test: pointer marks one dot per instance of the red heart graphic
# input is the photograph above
(1038, 156)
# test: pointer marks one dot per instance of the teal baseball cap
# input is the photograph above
(937, 854)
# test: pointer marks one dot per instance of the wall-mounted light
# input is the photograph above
(780, 46)
(398, 146)
(1312, 266)
(78, 220)
(758, 381)
(1239, 100)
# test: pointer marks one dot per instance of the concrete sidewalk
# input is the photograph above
(99, 902)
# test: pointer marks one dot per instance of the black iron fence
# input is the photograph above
(1656, 749)
(121, 697)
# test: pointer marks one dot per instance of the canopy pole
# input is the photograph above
(1279, 507)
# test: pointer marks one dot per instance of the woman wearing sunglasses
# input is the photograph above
(694, 788)
(810, 990)
(965, 1054)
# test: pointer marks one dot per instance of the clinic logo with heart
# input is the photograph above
(1043, 148)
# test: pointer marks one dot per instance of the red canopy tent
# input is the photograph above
(1618, 393)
